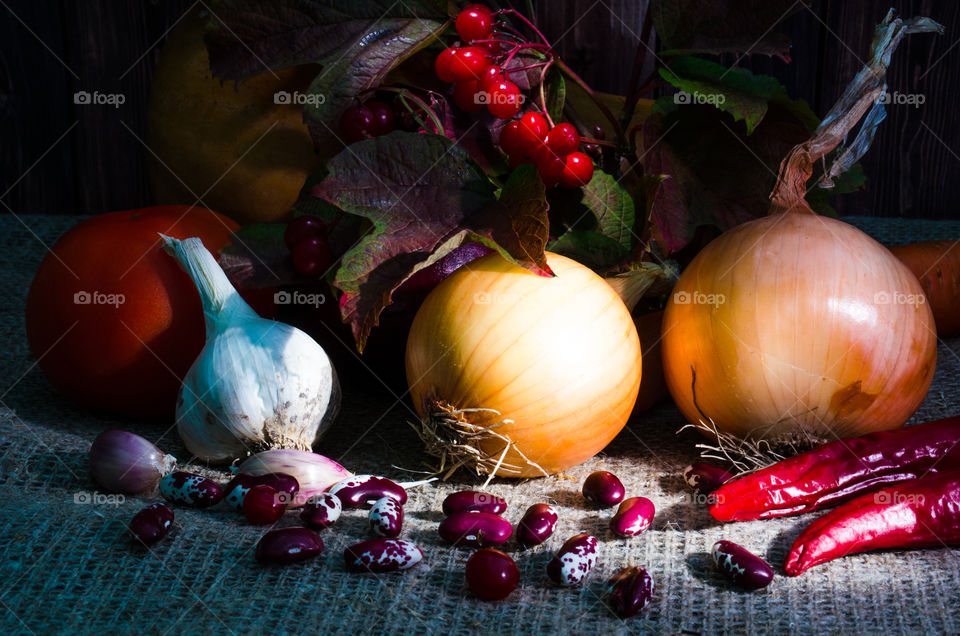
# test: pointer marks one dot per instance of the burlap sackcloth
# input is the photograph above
(70, 567)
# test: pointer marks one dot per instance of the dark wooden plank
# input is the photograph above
(36, 109)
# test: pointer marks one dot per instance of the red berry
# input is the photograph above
(510, 138)
(577, 172)
(504, 99)
(468, 63)
(356, 124)
(465, 96)
(303, 227)
(533, 130)
(563, 139)
(491, 574)
(475, 23)
(382, 117)
(442, 64)
(311, 256)
(262, 505)
(491, 76)
(550, 165)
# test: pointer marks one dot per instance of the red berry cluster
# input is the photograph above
(552, 150)
(306, 237)
(371, 119)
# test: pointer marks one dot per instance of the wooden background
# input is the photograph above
(60, 158)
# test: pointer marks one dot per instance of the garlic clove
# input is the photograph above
(121, 461)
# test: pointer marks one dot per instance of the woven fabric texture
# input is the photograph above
(69, 567)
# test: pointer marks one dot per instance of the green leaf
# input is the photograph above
(556, 93)
(602, 206)
(596, 251)
(248, 37)
(718, 26)
(362, 67)
(733, 90)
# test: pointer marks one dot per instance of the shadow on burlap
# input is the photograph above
(69, 567)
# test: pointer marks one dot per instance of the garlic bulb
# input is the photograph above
(258, 384)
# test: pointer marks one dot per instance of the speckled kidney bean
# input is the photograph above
(573, 562)
(741, 566)
(152, 523)
(238, 487)
(473, 501)
(289, 545)
(630, 590)
(190, 489)
(386, 517)
(633, 517)
(537, 525)
(382, 555)
(475, 529)
(603, 488)
(321, 511)
(705, 478)
(362, 491)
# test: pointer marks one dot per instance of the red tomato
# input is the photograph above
(112, 319)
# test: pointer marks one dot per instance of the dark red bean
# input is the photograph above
(238, 487)
(362, 491)
(573, 562)
(537, 525)
(475, 529)
(633, 517)
(631, 590)
(321, 511)
(603, 488)
(705, 478)
(382, 555)
(741, 566)
(152, 523)
(289, 545)
(386, 517)
(263, 505)
(491, 574)
(190, 489)
(473, 501)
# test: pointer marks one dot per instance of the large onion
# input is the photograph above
(798, 326)
(550, 365)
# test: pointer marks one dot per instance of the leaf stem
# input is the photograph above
(543, 97)
(404, 95)
(526, 21)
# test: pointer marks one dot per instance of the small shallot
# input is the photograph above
(125, 462)
(314, 473)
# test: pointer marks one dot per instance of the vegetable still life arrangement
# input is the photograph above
(540, 263)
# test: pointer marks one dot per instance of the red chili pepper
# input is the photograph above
(921, 513)
(840, 470)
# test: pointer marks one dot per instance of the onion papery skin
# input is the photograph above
(558, 358)
(820, 330)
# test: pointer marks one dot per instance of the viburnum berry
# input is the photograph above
(510, 139)
(468, 63)
(356, 124)
(504, 99)
(465, 96)
(563, 138)
(491, 75)
(533, 129)
(442, 64)
(382, 117)
(475, 23)
(311, 256)
(303, 227)
(577, 172)
(550, 165)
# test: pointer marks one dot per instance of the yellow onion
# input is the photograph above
(519, 375)
(795, 327)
